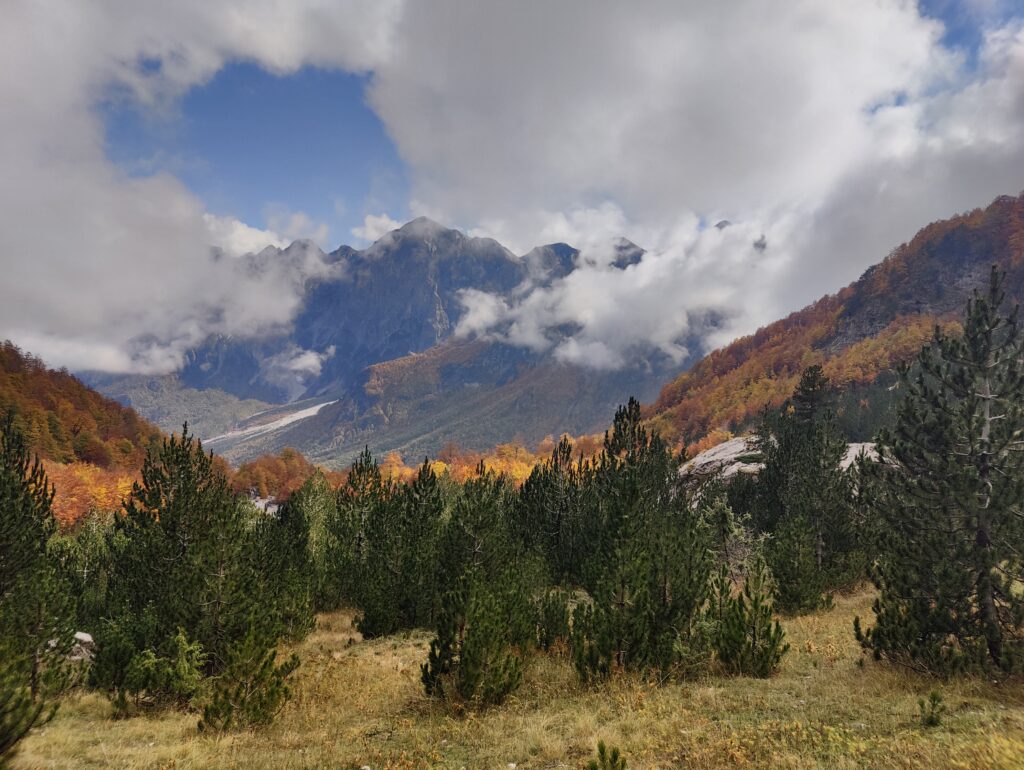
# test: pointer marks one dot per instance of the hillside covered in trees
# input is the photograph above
(65, 421)
(857, 335)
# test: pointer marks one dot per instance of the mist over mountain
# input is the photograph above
(386, 337)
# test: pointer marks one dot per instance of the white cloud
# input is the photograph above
(106, 270)
(237, 238)
(296, 225)
(293, 369)
(374, 227)
(835, 130)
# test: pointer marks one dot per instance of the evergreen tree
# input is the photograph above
(196, 573)
(19, 713)
(318, 505)
(747, 639)
(251, 690)
(35, 610)
(180, 554)
(359, 503)
(422, 507)
(477, 655)
(946, 497)
(26, 521)
(281, 560)
(650, 566)
(485, 620)
(82, 558)
(554, 513)
(803, 499)
(398, 580)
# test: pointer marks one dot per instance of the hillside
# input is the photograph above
(857, 335)
(65, 421)
(474, 394)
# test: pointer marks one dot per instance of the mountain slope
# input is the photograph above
(857, 335)
(472, 393)
(64, 421)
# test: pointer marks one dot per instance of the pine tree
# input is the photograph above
(252, 689)
(803, 500)
(360, 502)
(422, 508)
(650, 564)
(179, 553)
(554, 513)
(607, 759)
(26, 521)
(946, 497)
(35, 609)
(477, 655)
(191, 562)
(397, 586)
(747, 640)
(19, 713)
(280, 558)
(318, 505)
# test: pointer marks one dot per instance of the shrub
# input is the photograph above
(748, 642)
(252, 689)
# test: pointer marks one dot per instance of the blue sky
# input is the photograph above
(254, 145)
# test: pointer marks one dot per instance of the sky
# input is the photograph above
(147, 146)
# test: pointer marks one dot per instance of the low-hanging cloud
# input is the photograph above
(825, 133)
(104, 270)
(828, 132)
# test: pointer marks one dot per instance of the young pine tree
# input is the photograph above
(947, 496)
(361, 503)
(748, 641)
(35, 610)
(650, 564)
(803, 499)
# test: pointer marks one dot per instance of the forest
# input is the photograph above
(612, 565)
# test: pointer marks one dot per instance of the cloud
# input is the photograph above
(293, 369)
(237, 238)
(375, 226)
(111, 271)
(835, 130)
(296, 225)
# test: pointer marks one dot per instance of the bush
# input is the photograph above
(748, 642)
(19, 713)
(592, 643)
(475, 658)
(252, 689)
(552, 619)
(931, 709)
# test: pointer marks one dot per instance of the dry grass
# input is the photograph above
(360, 703)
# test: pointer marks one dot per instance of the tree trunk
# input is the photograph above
(983, 535)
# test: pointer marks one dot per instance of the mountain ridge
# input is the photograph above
(376, 335)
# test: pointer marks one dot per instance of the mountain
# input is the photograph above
(858, 335)
(371, 358)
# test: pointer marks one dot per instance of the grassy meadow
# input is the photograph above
(360, 703)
